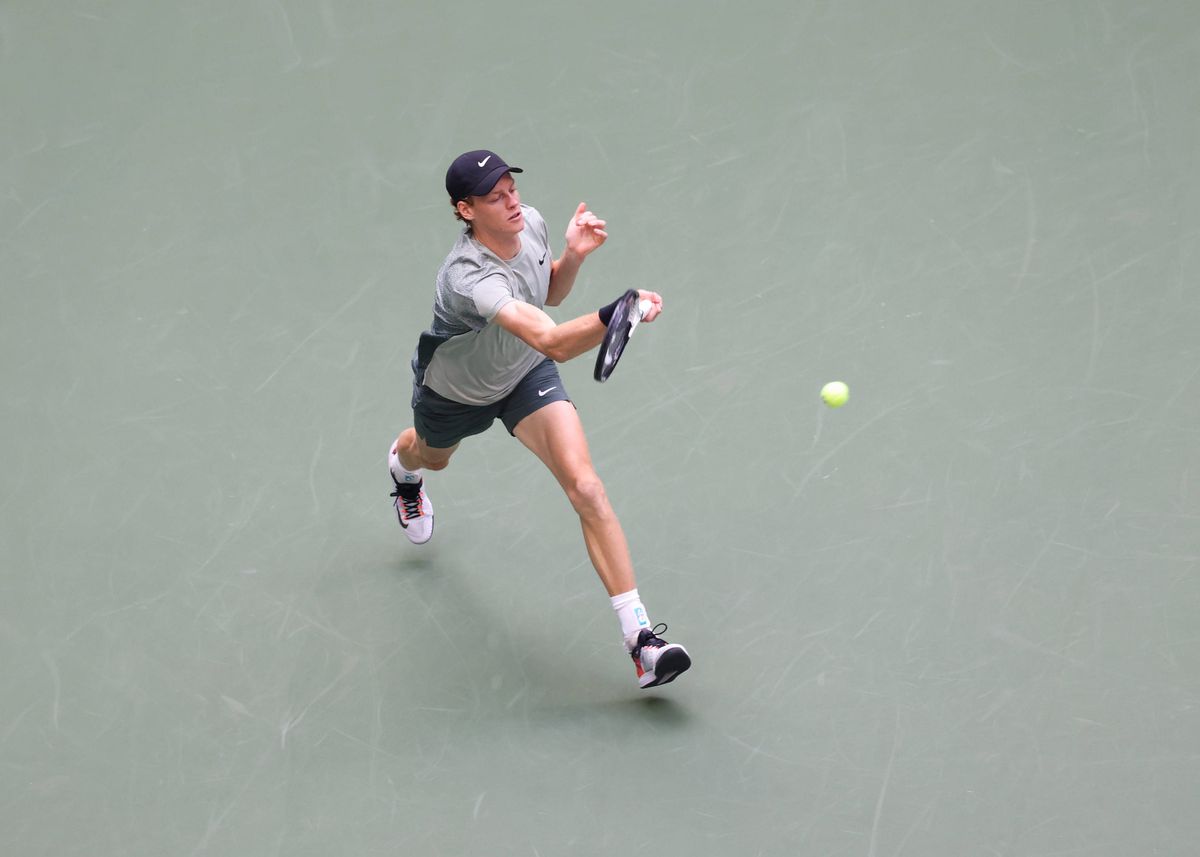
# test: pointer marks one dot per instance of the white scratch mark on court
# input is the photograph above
(1031, 221)
(28, 217)
(1095, 347)
(784, 205)
(56, 680)
(329, 20)
(872, 850)
(841, 127)
(85, 135)
(233, 529)
(149, 256)
(868, 624)
(1182, 387)
(286, 23)
(141, 604)
(757, 751)
(374, 748)
(1139, 109)
(12, 727)
(478, 806)
(323, 626)
(286, 728)
(993, 209)
(962, 251)
(1007, 56)
(783, 674)
(300, 347)
(1090, 426)
(602, 151)
(964, 153)
(817, 430)
(799, 489)
(1141, 257)
(215, 823)
(432, 617)
(312, 480)
(1033, 565)
(236, 707)
(293, 722)
(917, 822)
(1014, 639)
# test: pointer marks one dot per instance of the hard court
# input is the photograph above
(956, 617)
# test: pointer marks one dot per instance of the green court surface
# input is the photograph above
(956, 617)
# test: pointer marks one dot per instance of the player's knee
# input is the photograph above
(429, 458)
(588, 496)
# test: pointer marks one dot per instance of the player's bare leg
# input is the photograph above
(555, 435)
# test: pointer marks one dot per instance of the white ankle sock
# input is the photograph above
(632, 615)
(398, 471)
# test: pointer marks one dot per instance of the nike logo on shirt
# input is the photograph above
(543, 259)
(544, 392)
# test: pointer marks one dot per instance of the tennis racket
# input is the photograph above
(628, 313)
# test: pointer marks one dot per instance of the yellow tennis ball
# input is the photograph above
(835, 394)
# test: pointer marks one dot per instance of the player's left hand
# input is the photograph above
(585, 232)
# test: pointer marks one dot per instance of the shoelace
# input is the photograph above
(655, 641)
(410, 498)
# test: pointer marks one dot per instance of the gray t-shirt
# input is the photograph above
(464, 356)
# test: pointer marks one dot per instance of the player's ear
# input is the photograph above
(464, 210)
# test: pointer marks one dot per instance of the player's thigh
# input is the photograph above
(555, 434)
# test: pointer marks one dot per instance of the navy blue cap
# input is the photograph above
(475, 173)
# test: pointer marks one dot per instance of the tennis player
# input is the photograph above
(491, 353)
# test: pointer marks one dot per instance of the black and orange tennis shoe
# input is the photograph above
(656, 660)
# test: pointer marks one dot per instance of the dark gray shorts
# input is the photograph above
(441, 423)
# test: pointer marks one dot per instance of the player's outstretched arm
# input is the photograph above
(561, 342)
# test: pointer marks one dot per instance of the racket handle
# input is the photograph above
(635, 319)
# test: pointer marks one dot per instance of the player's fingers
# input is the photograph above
(656, 304)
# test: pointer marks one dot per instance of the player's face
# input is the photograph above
(498, 211)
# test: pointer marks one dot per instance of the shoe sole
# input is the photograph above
(670, 664)
(422, 541)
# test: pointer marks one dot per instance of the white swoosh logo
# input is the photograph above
(544, 392)
(485, 160)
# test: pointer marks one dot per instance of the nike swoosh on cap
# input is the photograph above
(485, 160)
